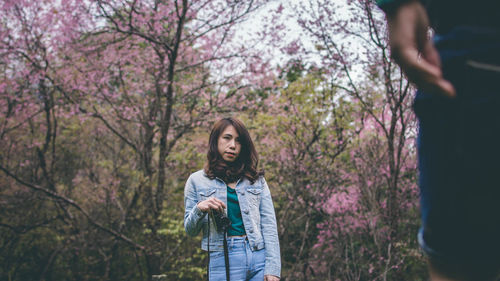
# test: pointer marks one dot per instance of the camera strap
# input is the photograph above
(208, 249)
(226, 252)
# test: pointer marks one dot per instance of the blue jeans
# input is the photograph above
(459, 151)
(244, 264)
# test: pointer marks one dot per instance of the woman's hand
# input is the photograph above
(271, 278)
(211, 203)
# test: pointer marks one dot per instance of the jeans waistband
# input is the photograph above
(236, 240)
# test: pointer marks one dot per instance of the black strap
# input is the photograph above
(208, 249)
(226, 252)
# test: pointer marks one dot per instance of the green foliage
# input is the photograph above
(307, 136)
(184, 260)
(87, 199)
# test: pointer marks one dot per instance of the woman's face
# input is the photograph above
(229, 144)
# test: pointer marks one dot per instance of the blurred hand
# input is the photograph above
(211, 204)
(271, 278)
(414, 52)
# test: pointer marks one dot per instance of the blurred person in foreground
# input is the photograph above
(457, 73)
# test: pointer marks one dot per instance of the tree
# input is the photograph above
(302, 138)
(351, 41)
(148, 72)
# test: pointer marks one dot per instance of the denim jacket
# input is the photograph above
(257, 213)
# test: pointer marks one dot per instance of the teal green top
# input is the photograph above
(234, 214)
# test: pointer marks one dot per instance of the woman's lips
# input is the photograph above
(230, 154)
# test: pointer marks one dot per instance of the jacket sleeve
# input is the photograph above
(270, 233)
(192, 214)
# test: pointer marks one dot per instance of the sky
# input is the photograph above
(258, 20)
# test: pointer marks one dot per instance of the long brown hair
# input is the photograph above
(246, 163)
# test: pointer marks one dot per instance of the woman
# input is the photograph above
(230, 184)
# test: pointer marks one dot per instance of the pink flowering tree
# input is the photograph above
(369, 224)
(95, 97)
(302, 139)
